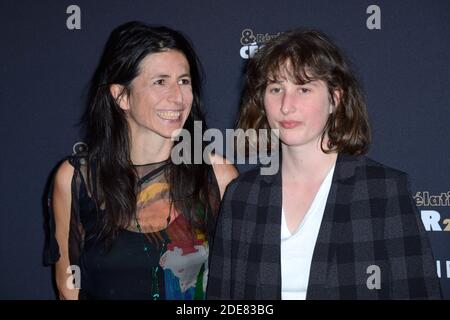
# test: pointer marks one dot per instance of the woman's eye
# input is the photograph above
(275, 90)
(305, 90)
(185, 81)
(159, 82)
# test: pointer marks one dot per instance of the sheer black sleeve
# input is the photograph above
(76, 230)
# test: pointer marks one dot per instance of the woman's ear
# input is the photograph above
(337, 94)
(119, 94)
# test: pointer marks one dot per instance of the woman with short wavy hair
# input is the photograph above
(331, 223)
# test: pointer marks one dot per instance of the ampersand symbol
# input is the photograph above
(247, 37)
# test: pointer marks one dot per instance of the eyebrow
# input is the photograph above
(165, 76)
(276, 80)
(314, 83)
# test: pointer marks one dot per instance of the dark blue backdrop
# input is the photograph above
(404, 68)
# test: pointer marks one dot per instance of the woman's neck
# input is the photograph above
(149, 147)
(306, 163)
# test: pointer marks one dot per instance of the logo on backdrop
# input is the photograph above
(79, 147)
(252, 41)
(433, 217)
(443, 268)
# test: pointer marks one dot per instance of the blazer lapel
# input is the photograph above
(323, 272)
(269, 223)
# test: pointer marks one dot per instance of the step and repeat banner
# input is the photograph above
(400, 51)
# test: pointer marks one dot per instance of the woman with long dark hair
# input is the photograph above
(331, 223)
(130, 222)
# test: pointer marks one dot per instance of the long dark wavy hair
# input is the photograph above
(111, 175)
(313, 56)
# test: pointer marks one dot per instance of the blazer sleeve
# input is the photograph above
(413, 270)
(219, 281)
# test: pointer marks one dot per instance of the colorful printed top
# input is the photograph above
(160, 256)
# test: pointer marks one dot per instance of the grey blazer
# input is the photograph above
(370, 219)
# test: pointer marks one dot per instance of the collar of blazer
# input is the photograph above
(345, 168)
(325, 252)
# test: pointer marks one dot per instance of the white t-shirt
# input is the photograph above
(297, 248)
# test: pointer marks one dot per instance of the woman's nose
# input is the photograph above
(288, 102)
(176, 94)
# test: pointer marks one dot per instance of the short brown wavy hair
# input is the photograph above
(313, 56)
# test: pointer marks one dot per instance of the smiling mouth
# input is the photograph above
(169, 115)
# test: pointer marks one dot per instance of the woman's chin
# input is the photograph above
(170, 133)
